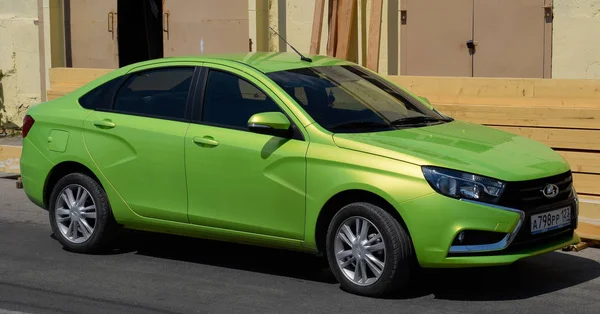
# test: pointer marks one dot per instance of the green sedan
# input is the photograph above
(315, 154)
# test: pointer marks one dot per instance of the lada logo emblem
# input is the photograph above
(550, 190)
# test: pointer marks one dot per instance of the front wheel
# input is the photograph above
(368, 251)
(80, 215)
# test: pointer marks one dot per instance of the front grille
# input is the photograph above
(527, 196)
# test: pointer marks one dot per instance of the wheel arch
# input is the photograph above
(62, 169)
(343, 198)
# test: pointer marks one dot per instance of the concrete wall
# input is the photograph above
(576, 42)
(19, 60)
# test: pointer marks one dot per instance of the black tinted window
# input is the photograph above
(100, 96)
(230, 101)
(159, 93)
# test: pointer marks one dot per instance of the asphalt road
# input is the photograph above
(166, 274)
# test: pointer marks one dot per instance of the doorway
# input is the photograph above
(139, 28)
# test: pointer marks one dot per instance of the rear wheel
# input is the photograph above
(80, 215)
(368, 251)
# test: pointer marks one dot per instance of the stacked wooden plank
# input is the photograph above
(342, 15)
(564, 114)
(66, 80)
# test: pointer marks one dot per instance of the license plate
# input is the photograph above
(544, 222)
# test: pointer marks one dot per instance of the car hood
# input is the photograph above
(462, 146)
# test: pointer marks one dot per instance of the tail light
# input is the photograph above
(27, 124)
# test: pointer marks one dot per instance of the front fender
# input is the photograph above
(332, 170)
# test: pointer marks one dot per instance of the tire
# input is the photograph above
(103, 227)
(397, 258)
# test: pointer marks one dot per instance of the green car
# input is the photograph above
(315, 154)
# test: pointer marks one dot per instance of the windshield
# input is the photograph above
(349, 99)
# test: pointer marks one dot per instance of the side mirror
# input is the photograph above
(271, 123)
(425, 100)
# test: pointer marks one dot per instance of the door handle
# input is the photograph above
(166, 23)
(104, 124)
(205, 141)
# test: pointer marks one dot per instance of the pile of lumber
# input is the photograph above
(342, 14)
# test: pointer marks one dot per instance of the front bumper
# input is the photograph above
(434, 221)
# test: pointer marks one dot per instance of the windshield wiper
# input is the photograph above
(359, 125)
(416, 120)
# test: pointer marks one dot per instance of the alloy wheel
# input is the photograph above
(360, 251)
(75, 213)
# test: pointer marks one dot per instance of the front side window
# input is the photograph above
(230, 101)
(157, 93)
(348, 99)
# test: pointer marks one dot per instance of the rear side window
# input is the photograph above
(101, 96)
(230, 101)
(159, 93)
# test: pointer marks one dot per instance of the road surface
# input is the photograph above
(166, 274)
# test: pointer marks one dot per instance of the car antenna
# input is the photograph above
(303, 58)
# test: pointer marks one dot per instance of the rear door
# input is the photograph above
(138, 142)
(205, 26)
(94, 34)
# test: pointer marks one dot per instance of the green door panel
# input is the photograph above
(57, 141)
(245, 181)
(143, 160)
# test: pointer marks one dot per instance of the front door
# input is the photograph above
(138, 142)
(240, 180)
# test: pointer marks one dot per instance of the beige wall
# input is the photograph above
(576, 42)
(19, 59)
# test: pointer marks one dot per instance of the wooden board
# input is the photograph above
(501, 87)
(589, 207)
(587, 162)
(75, 76)
(10, 158)
(587, 183)
(374, 37)
(588, 231)
(570, 103)
(589, 217)
(559, 138)
(344, 28)
(315, 39)
(525, 116)
(333, 34)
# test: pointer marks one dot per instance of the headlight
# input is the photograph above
(458, 184)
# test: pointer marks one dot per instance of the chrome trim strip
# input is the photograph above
(500, 245)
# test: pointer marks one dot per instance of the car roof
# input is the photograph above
(262, 61)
